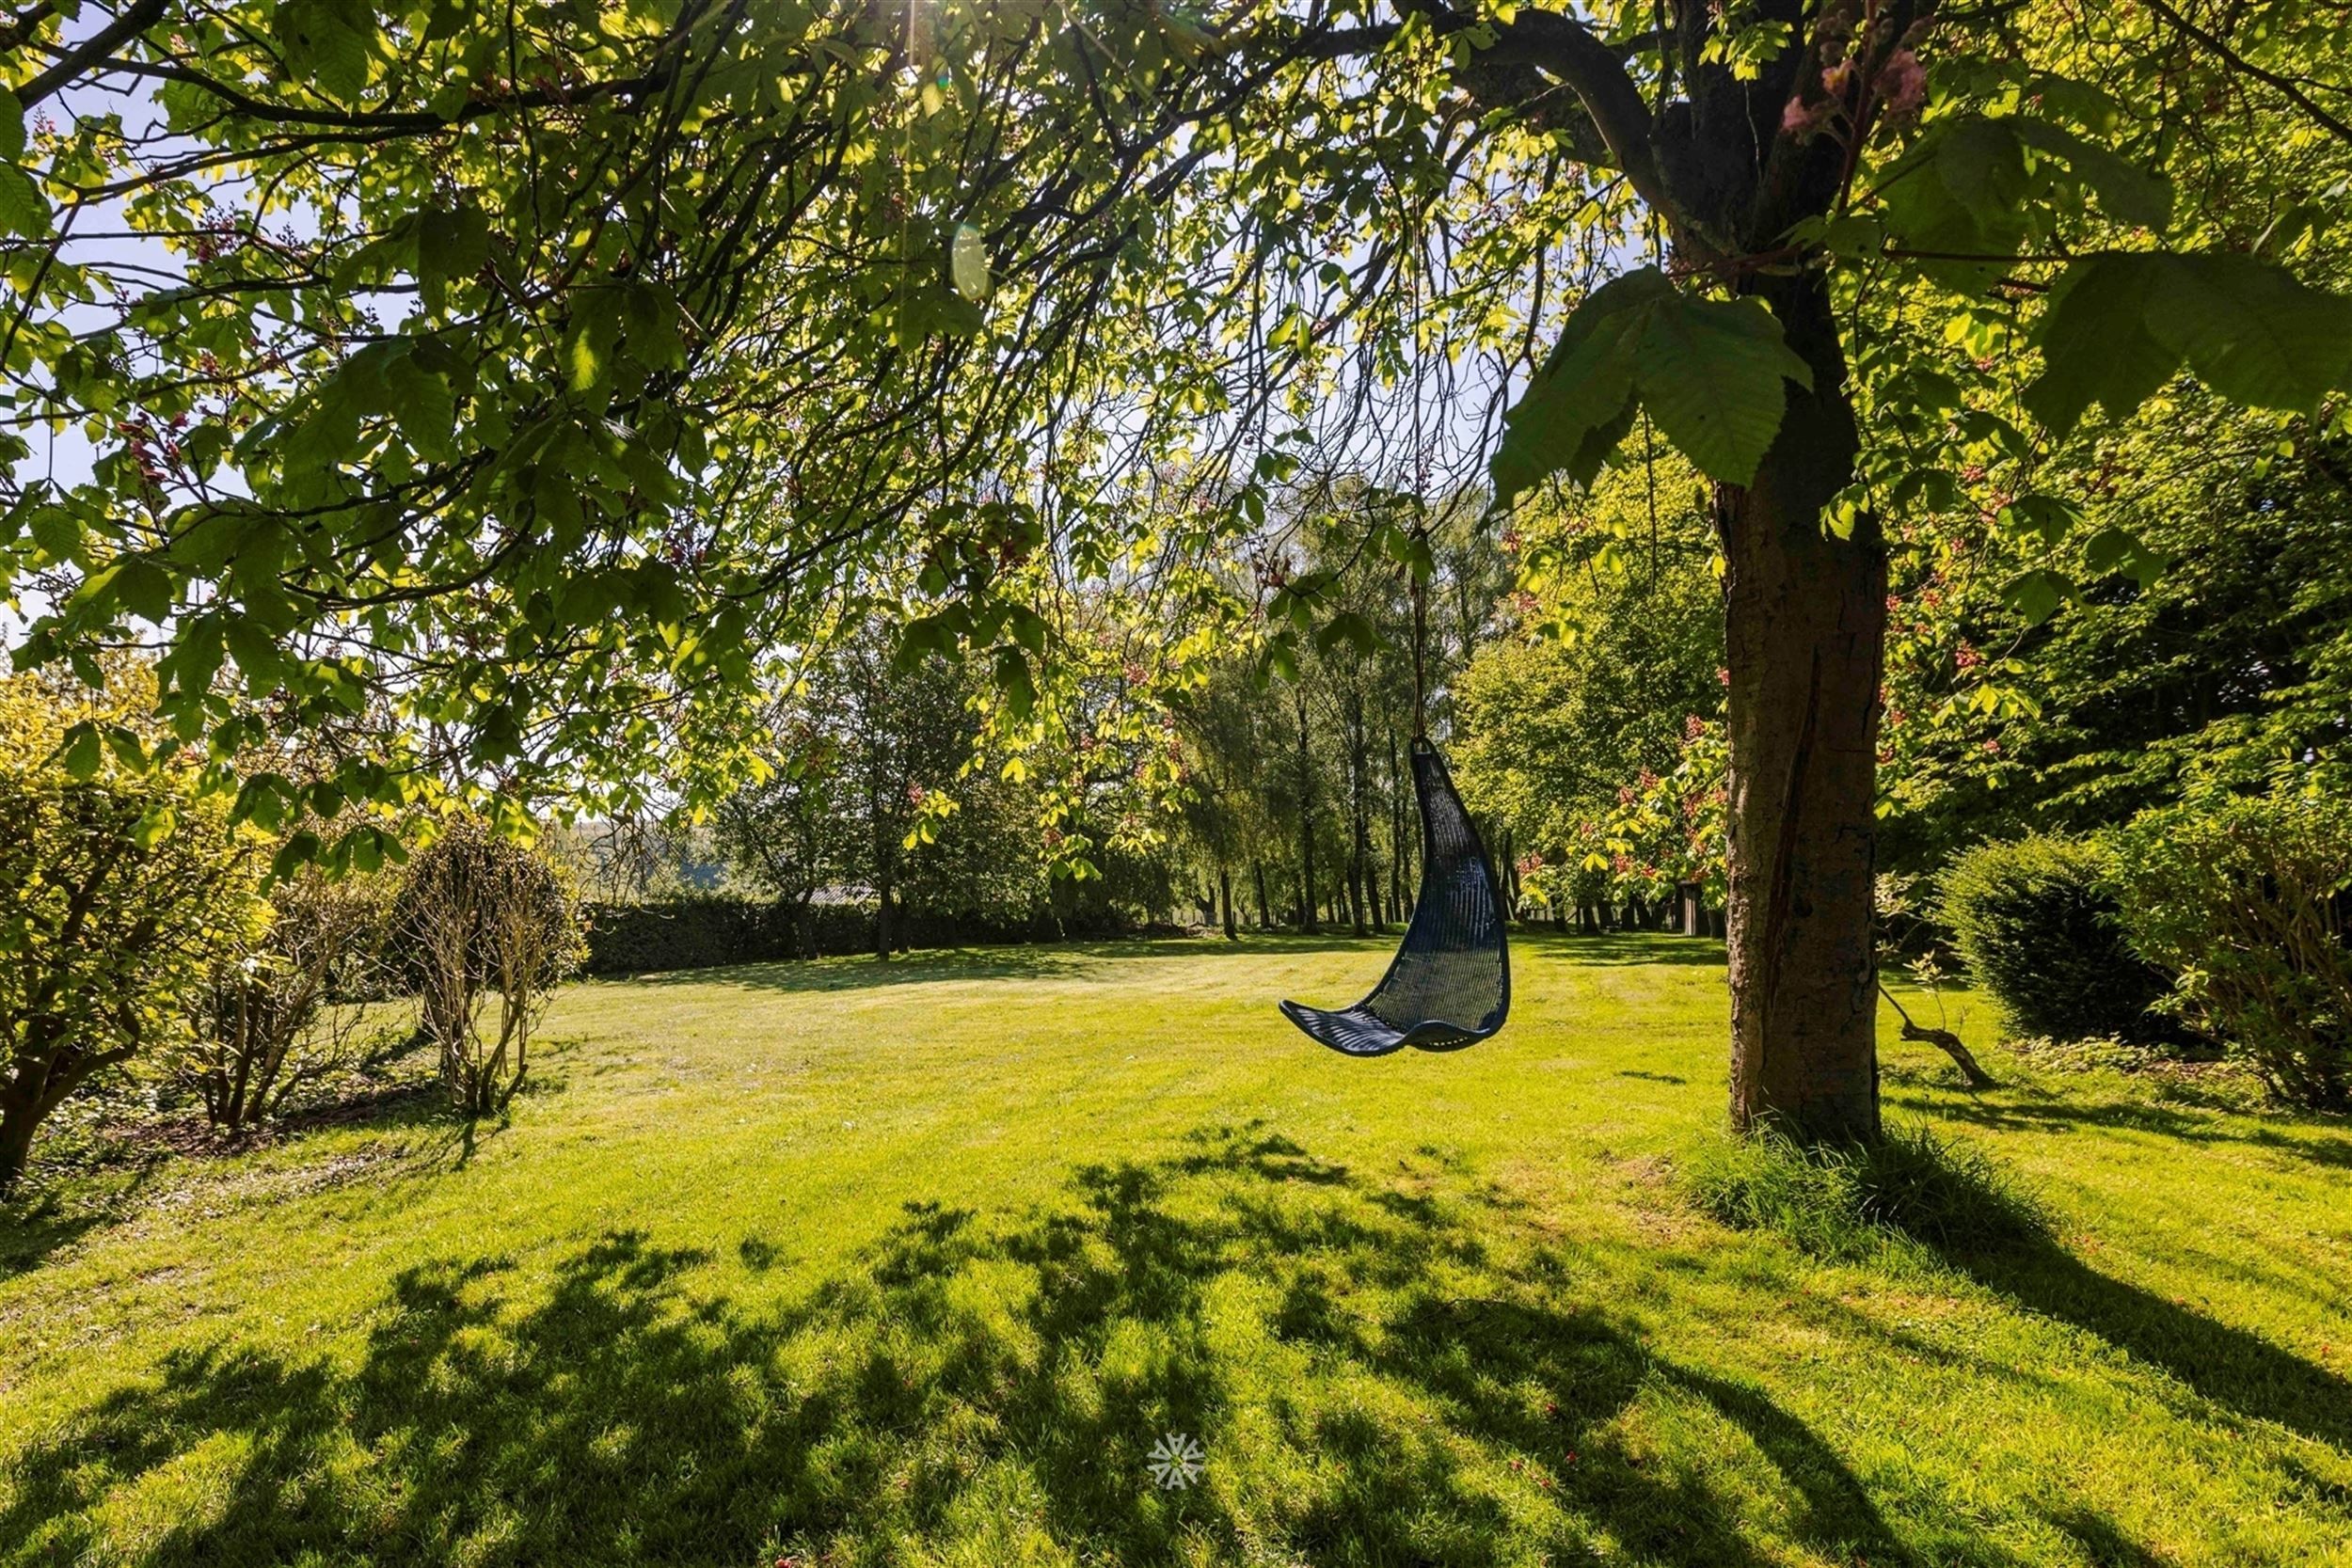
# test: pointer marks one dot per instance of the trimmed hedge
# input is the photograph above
(2040, 930)
(705, 930)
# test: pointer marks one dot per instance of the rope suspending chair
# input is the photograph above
(1449, 984)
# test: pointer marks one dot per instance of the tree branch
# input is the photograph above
(2240, 63)
(71, 64)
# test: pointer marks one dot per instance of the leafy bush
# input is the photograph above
(2040, 930)
(486, 928)
(124, 884)
(2246, 900)
(1848, 1200)
(287, 1009)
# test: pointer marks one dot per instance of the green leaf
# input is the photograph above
(2115, 549)
(155, 825)
(1710, 375)
(2051, 517)
(1959, 191)
(296, 853)
(1935, 489)
(2096, 346)
(124, 742)
(452, 244)
(935, 312)
(1014, 680)
(423, 407)
(2037, 595)
(144, 589)
(649, 314)
(22, 209)
(2128, 193)
(361, 848)
(256, 652)
(583, 364)
(82, 750)
(926, 635)
(1351, 627)
(59, 532)
(262, 801)
(1583, 387)
(2118, 325)
(2250, 331)
(11, 126)
(1978, 161)
(327, 44)
(1028, 628)
(1708, 372)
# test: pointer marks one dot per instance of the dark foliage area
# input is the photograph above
(707, 930)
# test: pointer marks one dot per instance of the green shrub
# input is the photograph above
(2246, 901)
(1848, 1200)
(119, 889)
(487, 928)
(288, 1007)
(2040, 932)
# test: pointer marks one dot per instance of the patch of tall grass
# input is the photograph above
(1851, 1201)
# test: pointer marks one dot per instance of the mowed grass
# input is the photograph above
(843, 1264)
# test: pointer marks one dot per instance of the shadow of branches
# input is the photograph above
(1370, 1383)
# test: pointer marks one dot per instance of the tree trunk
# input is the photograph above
(1804, 628)
(1265, 907)
(882, 922)
(1306, 817)
(1398, 850)
(17, 1123)
(1225, 887)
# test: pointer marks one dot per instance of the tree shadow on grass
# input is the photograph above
(2027, 1107)
(971, 1385)
(1617, 948)
(1041, 961)
(38, 1224)
(2231, 1367)
(929, 967)
(2101, 1542)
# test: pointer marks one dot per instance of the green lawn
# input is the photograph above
(849, 1265)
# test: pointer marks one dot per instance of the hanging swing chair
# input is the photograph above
(1449, 984)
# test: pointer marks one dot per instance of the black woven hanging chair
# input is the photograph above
(1449, 983)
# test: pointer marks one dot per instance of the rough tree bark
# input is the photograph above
(1804, 631)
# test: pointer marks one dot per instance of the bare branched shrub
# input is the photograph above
(289, 1011)
(484, 928)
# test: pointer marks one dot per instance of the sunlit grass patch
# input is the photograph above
(918, 1265)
